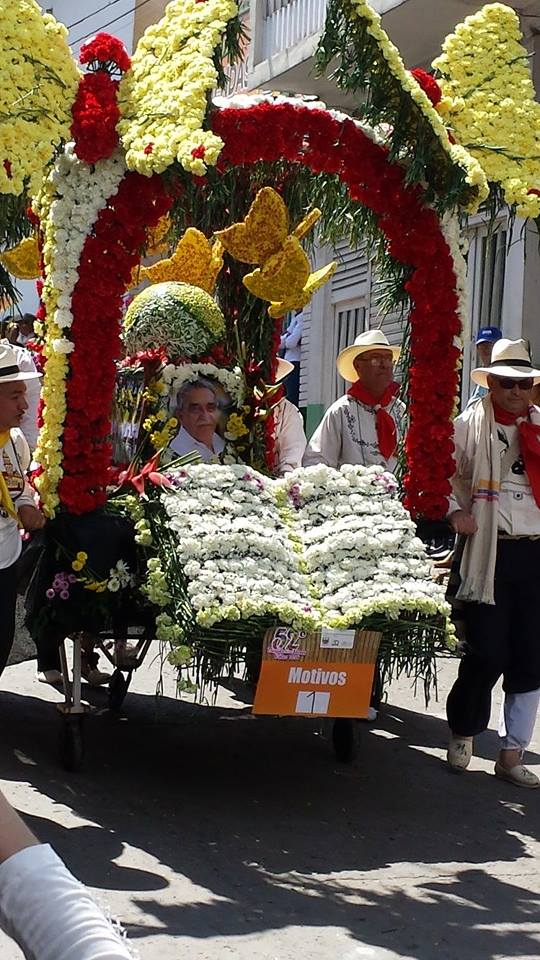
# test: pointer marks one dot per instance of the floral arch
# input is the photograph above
(95, 219)
(398, 177)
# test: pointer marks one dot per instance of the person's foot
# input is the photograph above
(459, 753)
(49, 676)
(519, 775)
(94, 676)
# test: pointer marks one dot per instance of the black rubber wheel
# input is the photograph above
(377, 691)
(72, 743)
(118, 688)
(345, 737)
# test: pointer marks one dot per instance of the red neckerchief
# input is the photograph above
(385, 424)
(529, 444)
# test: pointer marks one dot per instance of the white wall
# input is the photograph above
(69, 13)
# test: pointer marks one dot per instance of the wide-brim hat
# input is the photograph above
(369, 340)
(9, 367)
(283, 369)
(510, 358)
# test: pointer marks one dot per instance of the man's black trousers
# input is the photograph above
(501, 640)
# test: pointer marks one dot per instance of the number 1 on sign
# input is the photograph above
(312, 701)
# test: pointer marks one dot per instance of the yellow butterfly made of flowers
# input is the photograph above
(195, 260)
(284, 276)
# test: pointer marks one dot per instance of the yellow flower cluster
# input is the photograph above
(22, 261)
(53, 391)
(98, 586)
(285, 277)
(38, 83)
(162, 438)
(79, 561)
(475, 176)
(236, 427)
(163, 97)
(489, 102)
(195, 261)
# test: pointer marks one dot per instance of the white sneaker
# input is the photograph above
(459, 753)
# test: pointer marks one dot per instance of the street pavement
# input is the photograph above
(211, 834)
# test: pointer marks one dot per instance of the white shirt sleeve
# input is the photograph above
(290, 437)
(325, 444)
(50, 914)
(293, 335)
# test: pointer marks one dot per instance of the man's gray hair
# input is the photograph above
(201, 384)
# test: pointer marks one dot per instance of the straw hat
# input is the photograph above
(369, 340)
(283, 369)
(510, 358)
(9, 367)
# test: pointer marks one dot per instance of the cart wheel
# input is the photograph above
(378, 688)
(72, 743)
(118, 688)
(345, 737)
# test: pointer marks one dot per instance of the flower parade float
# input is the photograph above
(224, 193)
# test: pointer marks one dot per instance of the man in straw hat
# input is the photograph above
(362, 427)
(17, 506)
(496, 508)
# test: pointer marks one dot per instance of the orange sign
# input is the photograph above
(328, 673)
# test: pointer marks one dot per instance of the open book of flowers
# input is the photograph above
(320, 547)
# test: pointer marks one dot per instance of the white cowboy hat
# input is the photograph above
(369, 340)
(9, 367)
(283, 369)
(510, 358)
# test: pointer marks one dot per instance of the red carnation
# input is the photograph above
(198, 152)
(104, 49)
(95, 115)
(429, 85)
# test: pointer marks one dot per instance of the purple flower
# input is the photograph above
(72, 578)
(64, 595)
(50, 593)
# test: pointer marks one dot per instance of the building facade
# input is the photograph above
(503, 266)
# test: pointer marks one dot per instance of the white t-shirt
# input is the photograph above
(184, 443)
(291, 340)
(14, 462)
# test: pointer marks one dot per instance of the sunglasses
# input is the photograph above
(508, 384)
(379, 361)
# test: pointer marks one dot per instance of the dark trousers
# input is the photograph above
(8, 600)
(292, 384)
(500, 640)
